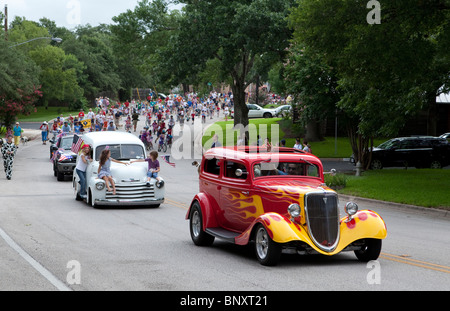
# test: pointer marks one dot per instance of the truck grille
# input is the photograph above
(322, 214)
(131, 192)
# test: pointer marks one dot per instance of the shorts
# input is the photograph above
(152, 174)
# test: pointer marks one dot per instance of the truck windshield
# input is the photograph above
(122, 152)
(285, 169)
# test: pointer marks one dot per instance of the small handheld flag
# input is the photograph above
(166, 159)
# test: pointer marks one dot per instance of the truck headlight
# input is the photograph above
(351, 208)
(100, 186)
(294, 210)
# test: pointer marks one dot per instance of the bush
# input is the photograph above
(336, 182)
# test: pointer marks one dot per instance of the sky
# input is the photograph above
(68, 13)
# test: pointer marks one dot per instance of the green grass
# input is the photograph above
(49, 114)
(256, 127)
(322, 149)
(422, 187)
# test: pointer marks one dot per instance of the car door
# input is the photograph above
(237, 202)
(210, 183)
(253, 111)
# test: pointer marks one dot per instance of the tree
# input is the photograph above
(313, 83)
(385, 71)
(19, 87)
(59, 81)
(239, 33)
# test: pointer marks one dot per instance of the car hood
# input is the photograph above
(135, 171)
(290, 186)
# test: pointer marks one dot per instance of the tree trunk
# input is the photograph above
(313, 131)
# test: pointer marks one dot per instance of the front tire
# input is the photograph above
(199, 237)
(369, 251)
(376, 164)
(267, 251)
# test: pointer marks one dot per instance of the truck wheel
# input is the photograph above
(60, 176)
(267, 251)
(370, 250)
(199, 237)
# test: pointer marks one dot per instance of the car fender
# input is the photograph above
(280, 229)
(208, 205)
(364, 224)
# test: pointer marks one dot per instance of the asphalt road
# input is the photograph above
(49, 241)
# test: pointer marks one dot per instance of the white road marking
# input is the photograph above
(36, 265)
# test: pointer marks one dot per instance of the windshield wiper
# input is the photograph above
(307, 161)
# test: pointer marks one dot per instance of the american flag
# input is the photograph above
(166, 159)
(55, 154)
(77, 143)
(64, 157)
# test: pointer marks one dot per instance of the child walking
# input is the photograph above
(104, 169)
(153, 168)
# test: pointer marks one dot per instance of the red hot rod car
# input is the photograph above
(279, 200)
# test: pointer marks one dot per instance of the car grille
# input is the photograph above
(132, 192)
(322, 214)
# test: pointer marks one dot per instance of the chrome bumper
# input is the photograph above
(128, 202)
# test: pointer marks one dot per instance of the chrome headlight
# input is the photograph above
(294, 210)
(351, 208)
(100, 186)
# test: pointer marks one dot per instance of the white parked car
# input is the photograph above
(283, 110)
(130, 180)
(256, 111)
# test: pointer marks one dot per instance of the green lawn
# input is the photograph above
(422, 187)
(49, 114)
(322, 149)
(263, 127)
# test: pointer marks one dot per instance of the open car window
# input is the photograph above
(122, 152)
(288, 169)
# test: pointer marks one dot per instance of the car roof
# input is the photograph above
(110, 137)
(255, 154)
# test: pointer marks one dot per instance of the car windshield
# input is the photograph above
(66, 143)
(285, 169)
(387, 144)
(122, 152)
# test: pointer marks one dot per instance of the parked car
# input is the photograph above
(256, 111)
(420, 152)
(130, 181)
(283, 110)
(279, 200)
(446, 136)
(63, 159)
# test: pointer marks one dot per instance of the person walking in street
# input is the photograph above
(8, 152)
(81, 167)
(17, 130)
(44, 131)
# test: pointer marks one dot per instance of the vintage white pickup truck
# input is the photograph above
(130, 180)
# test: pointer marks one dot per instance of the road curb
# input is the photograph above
(436, 211)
